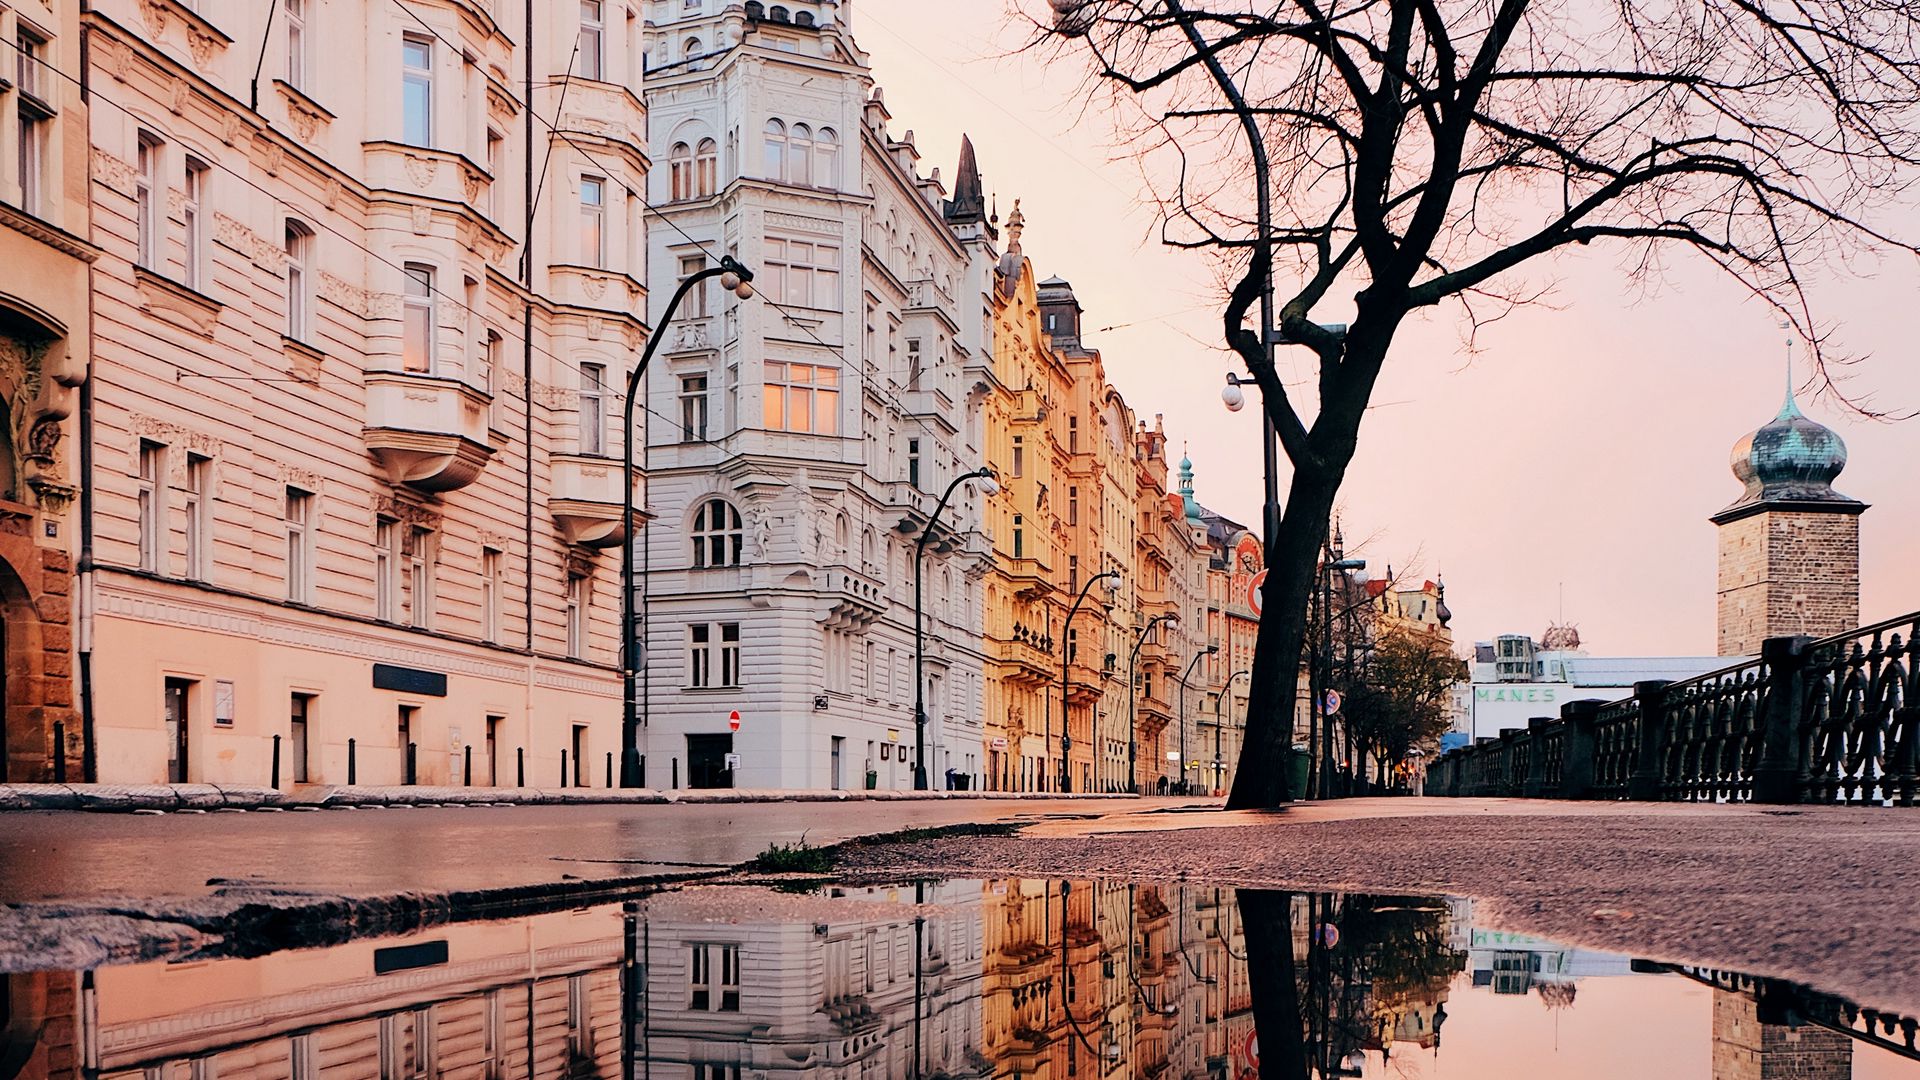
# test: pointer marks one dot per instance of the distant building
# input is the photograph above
(1515, 678)
(1790, 545)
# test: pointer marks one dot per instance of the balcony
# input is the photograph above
(586, 500)
(853, 601)
(1030, 657)
(1028, 578)
(428, 432)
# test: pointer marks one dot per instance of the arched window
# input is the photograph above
(680, 168)
(299, 279)
(803, 18)
(866, 548)
(756, 9)
(840, 534)
(800, 155)
(776, 151)
(826, 159)
(705, 158)
(716, 534)
(777, 13)
(692, 49)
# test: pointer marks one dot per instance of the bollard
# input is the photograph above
(59, 752)
(469, 767)
(1578, 763)
(352, 771)
(519, 766)
(1648, 781)
(276, 764)
(1780, 767)
(609, 768)
(563, 768)
(676, 774)
(411, 775)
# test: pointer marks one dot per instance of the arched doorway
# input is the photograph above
(27, 736)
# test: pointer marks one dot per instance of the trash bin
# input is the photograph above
(873, 779)
(1297, 771)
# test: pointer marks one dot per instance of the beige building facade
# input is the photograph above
(354, 470)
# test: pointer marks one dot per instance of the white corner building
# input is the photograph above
(801, 438)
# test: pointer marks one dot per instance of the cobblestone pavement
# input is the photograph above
(1829, 896)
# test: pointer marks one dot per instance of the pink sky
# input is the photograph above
(1582, 447)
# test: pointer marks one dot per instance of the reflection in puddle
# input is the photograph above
(1009, 978)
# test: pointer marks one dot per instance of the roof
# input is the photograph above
(1627, 670)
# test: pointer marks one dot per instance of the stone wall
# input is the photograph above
(1787, 572)
(1745, 1048)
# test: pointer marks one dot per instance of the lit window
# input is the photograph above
(416, 90)
(802, 398)
(717, 536)
(419, 316)
(593, 408)
(592, 34)
(826, 159)
(593, 221)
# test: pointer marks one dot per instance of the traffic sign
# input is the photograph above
(1253, 592)
(732, 762)
(1333, 701)
(733, 720)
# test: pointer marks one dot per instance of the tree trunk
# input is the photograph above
(1267, 920)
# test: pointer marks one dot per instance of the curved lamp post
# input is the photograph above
(1133, 682)
(737, 279)
(1112, 579)
(1182, 710)
(989, 484)
(1219, 769)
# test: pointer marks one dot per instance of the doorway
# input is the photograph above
(838, 763)
(581, 771)
(493, 750)
(707, 761)
(176, 721)
(297, 721)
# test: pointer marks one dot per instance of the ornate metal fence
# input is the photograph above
(1825, 720)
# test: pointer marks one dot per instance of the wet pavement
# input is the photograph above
(994, 977)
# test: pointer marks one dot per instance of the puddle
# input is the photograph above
(1002, 978)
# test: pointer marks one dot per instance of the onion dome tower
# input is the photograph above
(1790, 544)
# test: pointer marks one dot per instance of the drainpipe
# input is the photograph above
(83, 576)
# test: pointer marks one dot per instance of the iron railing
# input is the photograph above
(1824, 720)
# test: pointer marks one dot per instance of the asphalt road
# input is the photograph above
(88, 858)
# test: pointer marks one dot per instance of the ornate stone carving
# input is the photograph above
(422, 220)
(154, 14)
(305, 479)
(330, 192)
(405, 510)
(200, 46)
(365, 303)
(231, 128)
(177, 92)
(174, 434)
(595, 327)
(421, 170)
(110, 55)
(178, 304)
(802, 222)
(595, 288)
(117, 175)
(470, 181)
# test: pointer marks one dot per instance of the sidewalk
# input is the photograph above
(202, 798)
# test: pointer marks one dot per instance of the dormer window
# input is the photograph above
(803, 18)
(755, 9)
(778, 14)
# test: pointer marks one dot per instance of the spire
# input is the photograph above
(1186, 485)
(969, 197)
(1016, 221)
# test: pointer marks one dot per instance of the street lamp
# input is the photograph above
(1133, 681)
(1325, 757)
(989, 485)
(1208, 651)
(1219, 769)
(737, 279)
(1112, 578)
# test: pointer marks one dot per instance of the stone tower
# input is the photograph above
(1748, 1047)
(1790, 545)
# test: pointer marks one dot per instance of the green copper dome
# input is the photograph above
(1791, 461)
(1186, 488)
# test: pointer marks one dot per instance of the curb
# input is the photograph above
(201, 798)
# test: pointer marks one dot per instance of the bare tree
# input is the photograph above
(1421, 152)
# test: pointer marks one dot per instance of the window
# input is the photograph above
(492, 564)
(803, 398)
(913, 462)
(496, 147)
(802, 273)
(716, 534)
(1073, 433)
(713, 979)
(420, 573)
(576, 615)
(705, 1071)
(416, 90)
(152, 502)
(490, 378)
(196, 233)
(800, 155)
(579, 1002)
(693, 408)
(386, 569)
(199, 491)
(680, 171)
(1073, 506)
(696, 298)
(1073, 573)
(36, 120)
(1019, 455)
(592, 36)
(419, 320)
(303, 1063)
(692, 49)
(593, 221)
(913, 363)
(300, 527)
(826, 159)
(1019, 537)
(774, 165)
(146, 186)
(593, 408)
(299, 243)
(713, 654)
(706, 160)
(296, 43)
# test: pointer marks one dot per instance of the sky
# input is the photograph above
(1562, 469)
